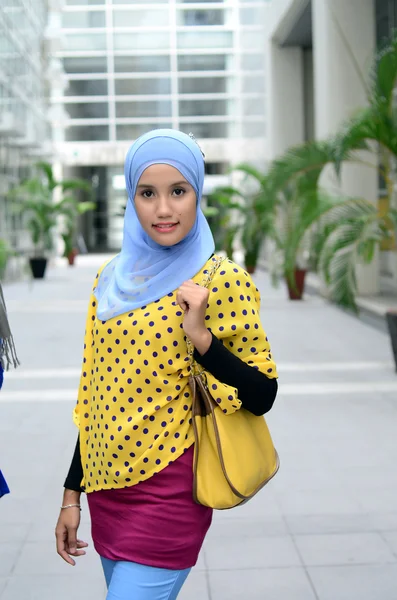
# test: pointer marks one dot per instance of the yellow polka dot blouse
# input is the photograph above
(134, 401)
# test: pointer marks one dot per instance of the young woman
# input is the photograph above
(134, 454)
(7, 357)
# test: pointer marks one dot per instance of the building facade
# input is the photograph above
(318, 53)
(24, 126)
(134, 66)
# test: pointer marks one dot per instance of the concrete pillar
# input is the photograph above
(286, 98)
(339, 90)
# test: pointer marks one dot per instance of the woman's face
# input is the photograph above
(165, 204)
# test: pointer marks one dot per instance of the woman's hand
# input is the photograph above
(193, 300)
(66, 535)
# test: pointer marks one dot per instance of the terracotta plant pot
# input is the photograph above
(71, 257)
(391, 319)
(38, 267)
(296, 293)
(250, 269)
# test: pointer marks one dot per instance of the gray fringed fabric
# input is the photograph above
(8, 355)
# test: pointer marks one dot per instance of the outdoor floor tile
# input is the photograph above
(317, 524)
(251, 553)
(195, 587)
(14, 532)
(261, 584)
(391, 539)
(364, 582)
(318, 503)
(344, 549)
(50, 587)
(41, 558)
(9, 553)
(44, 531)
(239, 528)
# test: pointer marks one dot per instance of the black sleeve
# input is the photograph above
(75, 474)
(255, 390)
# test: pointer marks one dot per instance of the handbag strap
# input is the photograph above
(206, 282)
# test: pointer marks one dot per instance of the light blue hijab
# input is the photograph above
(145, 271)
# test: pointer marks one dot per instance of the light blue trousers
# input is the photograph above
(131, 581)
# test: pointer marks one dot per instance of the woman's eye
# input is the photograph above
(147, 194)
(179, 192)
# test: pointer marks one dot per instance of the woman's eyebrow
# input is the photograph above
(148, 185)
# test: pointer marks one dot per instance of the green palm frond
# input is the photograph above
(306, 162)
(251, 172)
(384, 77)
(76, 184)
(348, 243)
(46, 168)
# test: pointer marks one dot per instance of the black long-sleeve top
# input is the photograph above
(256, 392)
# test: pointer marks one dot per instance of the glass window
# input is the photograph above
(86, 19)
(89, 87)
(204, 108)
(205, 39)
(137, 41)
(253, 15)
(140, 1)
(216, 168)
(94, 64)
(252, 62)
(202, 85)
(82, 2)
(252, 39)
(198, 17)
(87, 133)
(253, 106)
(255, 129)
(135, 110)
(206, 130)
(142, 86)
(131, 132)
(141, 18)
(141, 64)
(89, 110)
(253, 84)
(214, 62)
(87, 41)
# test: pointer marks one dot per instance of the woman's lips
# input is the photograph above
(165, 227)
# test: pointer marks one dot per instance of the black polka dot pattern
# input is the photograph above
(134, 401)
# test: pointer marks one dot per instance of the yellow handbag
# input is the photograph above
(234, 455)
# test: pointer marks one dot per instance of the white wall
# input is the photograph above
(286, 98)
(343, 49)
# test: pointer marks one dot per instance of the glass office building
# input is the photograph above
(133, 66)
(24, 127)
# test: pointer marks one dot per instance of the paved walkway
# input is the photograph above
(325, 528)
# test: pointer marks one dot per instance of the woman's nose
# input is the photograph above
(163, 207)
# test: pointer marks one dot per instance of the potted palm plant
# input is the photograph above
(34, 198)
(219, 214)
(253, 200)
(348, 230)
(5, 253)
(72, 209)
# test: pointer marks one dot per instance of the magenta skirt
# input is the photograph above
(155, 523)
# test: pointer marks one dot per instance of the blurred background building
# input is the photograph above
(25, 132)
(319, 53)
(134, 66)
(81, 79)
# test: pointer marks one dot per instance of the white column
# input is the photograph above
(286, 97)
(343, 48)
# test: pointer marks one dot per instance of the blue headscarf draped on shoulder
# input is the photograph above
(145, 271)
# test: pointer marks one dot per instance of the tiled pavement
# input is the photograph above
(324, 529)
